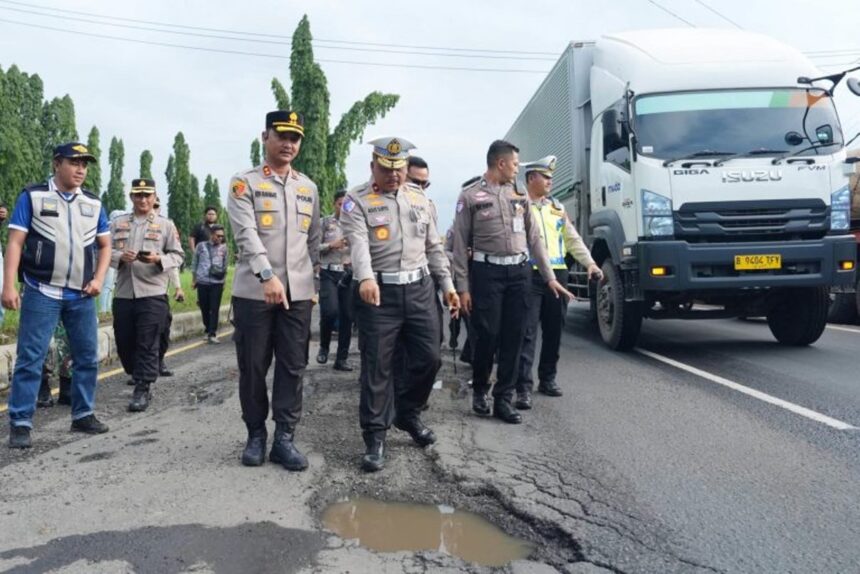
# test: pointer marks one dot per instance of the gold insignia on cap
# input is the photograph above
(552, 164)
(394, 147)
(294, 117)
(80, 149)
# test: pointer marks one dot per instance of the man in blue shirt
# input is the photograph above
(59, 237)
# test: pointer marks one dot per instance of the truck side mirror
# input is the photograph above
(854, 86)
(794, 139)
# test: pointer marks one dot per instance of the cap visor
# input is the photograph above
(282, 129)
(142, 190)
(391, 163)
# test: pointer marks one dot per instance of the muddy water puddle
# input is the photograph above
(395, 527)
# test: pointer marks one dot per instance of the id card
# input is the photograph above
(519, 224)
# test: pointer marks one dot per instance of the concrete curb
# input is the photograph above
(185, 325)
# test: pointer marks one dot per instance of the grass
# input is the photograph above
(9, 330)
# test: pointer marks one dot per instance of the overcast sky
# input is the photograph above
(145, 94)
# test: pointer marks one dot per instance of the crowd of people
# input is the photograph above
(378, 261)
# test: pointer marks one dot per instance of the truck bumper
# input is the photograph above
(711, 266)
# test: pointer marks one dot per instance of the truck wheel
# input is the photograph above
(800, 317)
(619, 320)
(843, 308)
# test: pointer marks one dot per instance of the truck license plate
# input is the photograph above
(756, 262)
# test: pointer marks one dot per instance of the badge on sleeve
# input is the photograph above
(460, 206)
(348, 205)
(238, 189)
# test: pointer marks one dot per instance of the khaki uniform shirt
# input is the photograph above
(495, 220)
(152, 233)
(276, 224)
(332, 230)
(573, 242)
(391, 232)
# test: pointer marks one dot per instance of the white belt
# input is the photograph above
(335, 267)
(499, 259)
(403, 277)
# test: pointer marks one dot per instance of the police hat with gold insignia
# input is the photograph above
(544, 166)
(73, 150)
(392, 153)
(143, 185)
(283, 121)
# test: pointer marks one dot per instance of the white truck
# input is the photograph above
(707, 171)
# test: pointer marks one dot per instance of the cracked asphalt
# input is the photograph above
(639, 467)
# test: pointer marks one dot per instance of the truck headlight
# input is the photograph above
(840, 209)
(657, 214)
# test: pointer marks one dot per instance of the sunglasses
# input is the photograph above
(423, 184)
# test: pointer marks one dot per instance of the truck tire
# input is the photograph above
(800, 316)
(619, 320)
(843, 308)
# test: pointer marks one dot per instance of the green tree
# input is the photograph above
(323, 156)
(255, 153)
(94, 173)
(211, 193)
(114, 197)
(145, 164)
(195, 202)
(179, 186)
(58, 126)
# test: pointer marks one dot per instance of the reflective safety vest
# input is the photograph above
(550, 218)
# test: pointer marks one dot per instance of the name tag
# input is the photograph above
(519, 224)
(87, 209)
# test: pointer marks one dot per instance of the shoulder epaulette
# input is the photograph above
(37, 186)
(471, 181)
(556, 203)
(89, 194)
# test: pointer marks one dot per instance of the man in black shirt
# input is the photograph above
(203, 230)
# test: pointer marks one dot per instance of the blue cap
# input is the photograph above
(73, 150)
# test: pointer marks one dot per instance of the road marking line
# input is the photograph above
(846, 329)
(111, 373)
(797, 409)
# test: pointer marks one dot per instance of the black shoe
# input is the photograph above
(19, 437)
(479, 404)
(342, 365)
(524, 401)
(322, 356)
(255, 449)
(420, 433)
(550, 388)
(213, 340)
(140, 399)
(163, 371)
(374, 455)
(44, 400)
(65, 397)
(465, 359)
(503, 410)
(284, 451)
(131, 382)
(90, 425)
(424, 407)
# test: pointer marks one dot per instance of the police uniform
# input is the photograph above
(393, 241)
(335, 294)
(276, 226)
(559, 237)
(496, 223)
(140, 305)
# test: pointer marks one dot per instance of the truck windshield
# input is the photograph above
(738, 121)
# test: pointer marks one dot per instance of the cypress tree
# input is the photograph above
(114, 197)
(94, 173)
(145, 164)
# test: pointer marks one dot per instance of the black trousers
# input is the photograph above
(209, 301)
(406, 315)
(500, 299)
(400, 362)
(548, 311)
(262, 331)
(137, 326)
(336, 306)
(164, 337)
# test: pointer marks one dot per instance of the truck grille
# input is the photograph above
(752, 220)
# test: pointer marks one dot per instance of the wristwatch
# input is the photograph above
(266, 274)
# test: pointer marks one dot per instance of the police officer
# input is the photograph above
(274, 212)
(493, 218)
(395, 248)
(335, 288)
(145, 249)
(560, 237)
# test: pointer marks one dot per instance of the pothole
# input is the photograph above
(396, 526)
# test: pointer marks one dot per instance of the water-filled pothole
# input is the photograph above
(394, 527)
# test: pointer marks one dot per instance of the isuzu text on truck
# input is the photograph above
(706, 170)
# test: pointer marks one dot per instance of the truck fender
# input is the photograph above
(606, 226)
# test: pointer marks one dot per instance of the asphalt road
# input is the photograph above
(716, 451)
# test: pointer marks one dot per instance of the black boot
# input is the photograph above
(284, 450)
(140, 398)
(65, 397)
(19, 437)
(550, 388)
(421, 434)
(322, 356)
(374, 456)
(342, 365)
(524, 401)
(163, 371)
(90, 425)
(479, 404)
(504, 410)
(255, 449)
(45, 399)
